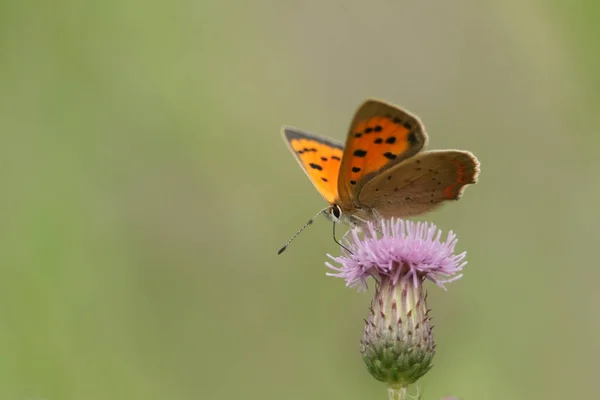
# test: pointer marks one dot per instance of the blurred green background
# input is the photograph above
(146, 190)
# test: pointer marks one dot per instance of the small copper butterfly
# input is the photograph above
(382, 171)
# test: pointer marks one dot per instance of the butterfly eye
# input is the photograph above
(336, 212)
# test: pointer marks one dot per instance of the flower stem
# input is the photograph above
(397, 393)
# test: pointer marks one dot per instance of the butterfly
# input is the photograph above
(383, 170)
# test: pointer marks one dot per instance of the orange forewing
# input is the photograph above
(380, 136)
(320, 158)
(381, 140)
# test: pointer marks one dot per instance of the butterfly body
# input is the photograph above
(382, 170)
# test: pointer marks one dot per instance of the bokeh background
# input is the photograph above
(146, 190)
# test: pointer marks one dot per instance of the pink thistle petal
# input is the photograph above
(403, 250)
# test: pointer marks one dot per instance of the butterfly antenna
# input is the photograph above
(310, 221)
(335, 240)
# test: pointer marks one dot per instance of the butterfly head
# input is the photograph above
(351, 216)
(335, 213)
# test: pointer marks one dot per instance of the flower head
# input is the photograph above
(398, 248)
(397, 345)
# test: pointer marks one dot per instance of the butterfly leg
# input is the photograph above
(345, 237)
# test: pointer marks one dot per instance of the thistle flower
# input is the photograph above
(397, 345)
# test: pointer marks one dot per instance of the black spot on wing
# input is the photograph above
(360, 153)
(390, 156)
(316, 166)
(412, 138)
